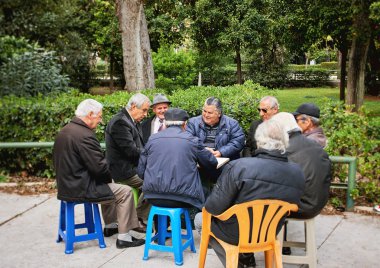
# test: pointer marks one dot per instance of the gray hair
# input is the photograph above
(287, 122)
(87, 106)
(138, 99)
(316, 121)
(174, 123)
(272, 101)
(216, 102)
(271, 136)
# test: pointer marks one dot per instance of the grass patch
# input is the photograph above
(291, 98)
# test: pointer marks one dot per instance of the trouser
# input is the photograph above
(122, 209)
(143, 206)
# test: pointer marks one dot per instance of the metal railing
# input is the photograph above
(349, 186)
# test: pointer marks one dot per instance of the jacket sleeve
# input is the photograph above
(94, 160)
(142, 163)
(236, 142)
(190, 127)
(205, 158)
(224, 192)
(122, 135)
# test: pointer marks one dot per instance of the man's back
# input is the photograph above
(169, 165)
(269, 175)
(316, 167)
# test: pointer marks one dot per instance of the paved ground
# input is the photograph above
(28, 230)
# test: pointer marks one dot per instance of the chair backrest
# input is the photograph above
(264, 215)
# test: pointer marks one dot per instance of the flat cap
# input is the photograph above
(309, 109)
(176, 114)
(160, 98)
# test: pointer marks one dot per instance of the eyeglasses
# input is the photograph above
(263, 110)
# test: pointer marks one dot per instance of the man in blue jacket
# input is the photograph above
(221, 134)
(168, 165)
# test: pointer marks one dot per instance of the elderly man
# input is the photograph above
(221, 134)
(156, 123)
(174, 181)
(83, 175)
(268, 175)
(268, 107)
(307, 117)
(124, 143)
(315, 164)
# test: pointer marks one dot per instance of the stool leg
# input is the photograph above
(89, 218)
(70, 227)
(189, 230)
(176, 237)
(148, 238)
(98, 226)
(311, 249)
(61, 222)
(162, 229)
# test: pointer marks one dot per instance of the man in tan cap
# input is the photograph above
(156, 123)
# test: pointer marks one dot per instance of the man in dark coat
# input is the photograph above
(124, 143)
(169, 162)
(268, 107)
(82, 173)
(268, 175)
(315, 164)
(156, 123)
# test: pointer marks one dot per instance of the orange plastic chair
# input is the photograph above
(266, 217)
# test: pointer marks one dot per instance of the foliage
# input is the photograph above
(32, 73)
(11, 46)
(354, 134)
(174, 68)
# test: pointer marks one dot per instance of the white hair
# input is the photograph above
(137, 99)
(271, 136)
(272, 101)
(287, 122)
(87, 106)
(174, 123)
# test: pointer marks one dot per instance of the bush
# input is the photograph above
(32, 73)
(39, 119)
(173, 70)
(11, 46)
(353, 134)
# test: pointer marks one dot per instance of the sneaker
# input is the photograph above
(377, 208)
(126, 244)
(247, 260)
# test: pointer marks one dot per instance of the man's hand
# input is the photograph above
(215, 153)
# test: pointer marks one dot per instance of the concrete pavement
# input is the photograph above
(28, 230)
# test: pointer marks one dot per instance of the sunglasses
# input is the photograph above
(263, 110)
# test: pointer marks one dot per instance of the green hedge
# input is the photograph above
(39, 119)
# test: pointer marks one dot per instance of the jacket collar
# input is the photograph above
(78, 121)
(221, 124)
(274, 155)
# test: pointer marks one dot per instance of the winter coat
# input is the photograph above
(269, 175)
(316, 167)
(124, 143)
(250, 144)
(168, 166)
(229, 140)
(81, 170)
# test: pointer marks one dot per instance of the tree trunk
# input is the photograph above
(343, 64)
(238, 65)
(358, 55)
(112, 84)
(137, 58)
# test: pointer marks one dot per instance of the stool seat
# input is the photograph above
(309, 245)
(67, 226)
(175, 234)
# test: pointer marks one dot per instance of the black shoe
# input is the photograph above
(247, 260)
(286, 251)
(125, 244)
(110, 231)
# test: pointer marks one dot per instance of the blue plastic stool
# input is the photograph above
(67, 226)
(175, 219)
